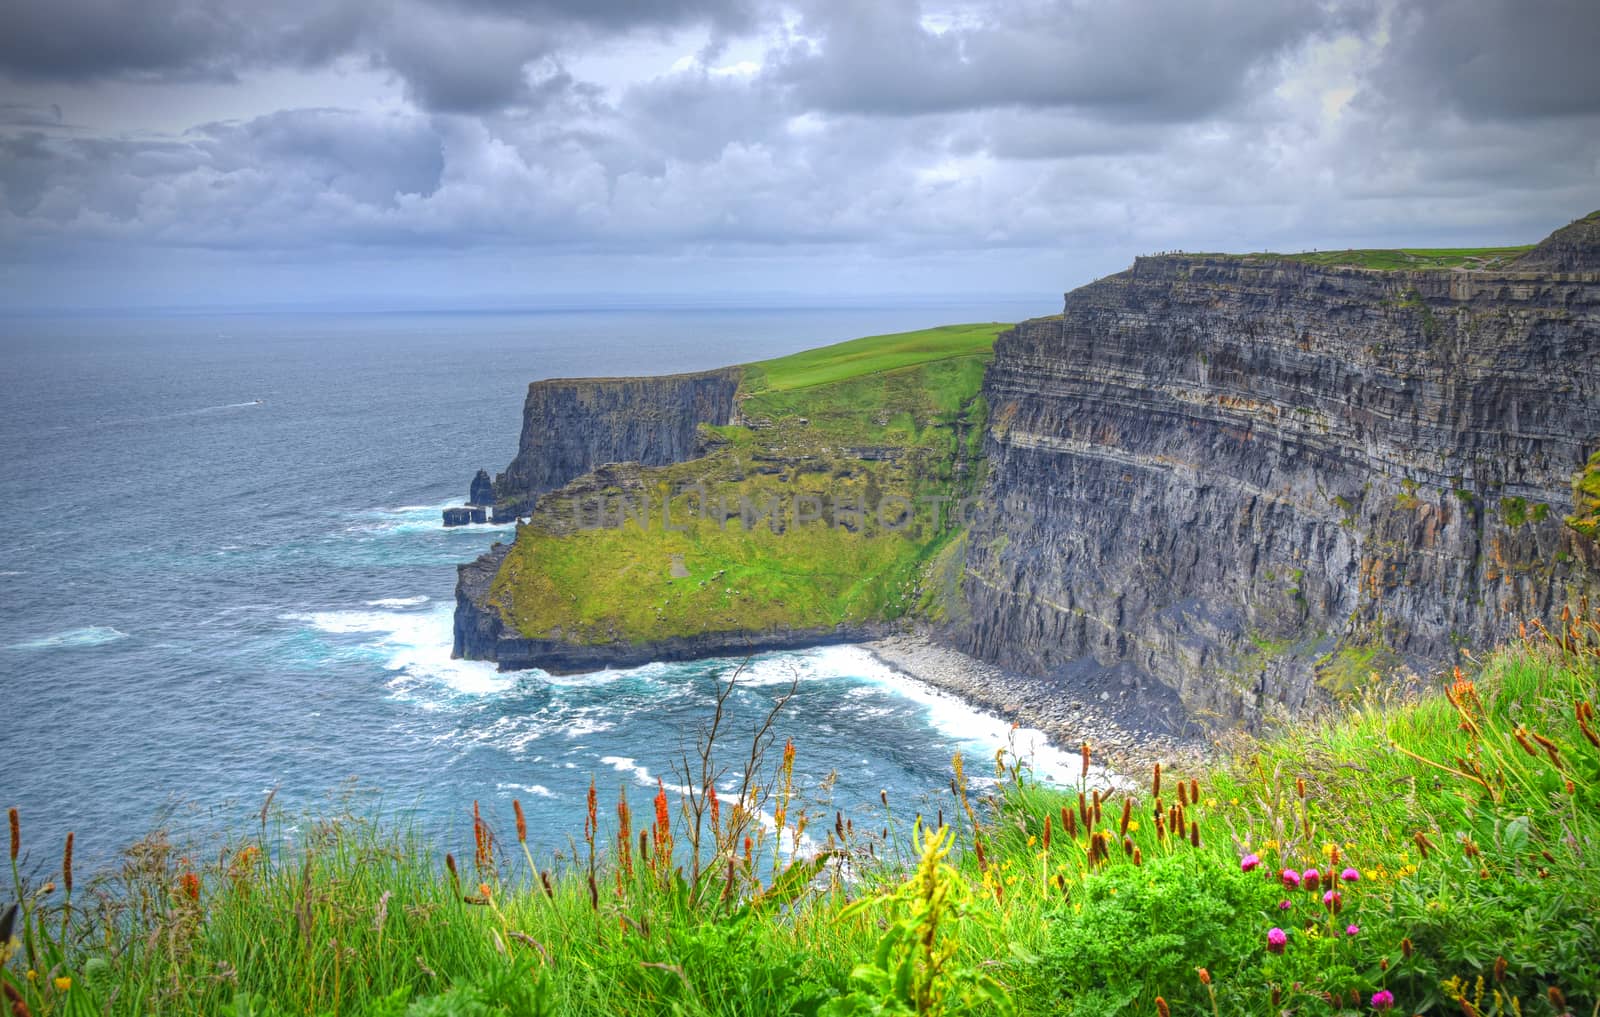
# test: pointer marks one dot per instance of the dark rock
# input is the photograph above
(460, 515)
(1204, 456)
(1573, 248)
(572, 426)
(482, 492)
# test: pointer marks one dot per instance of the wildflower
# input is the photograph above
(1383, 999)
(1161, 1007)
(1277, 939)
(63, 984)
(1352, 930)
(1309, 879)
(1333, 901)
(1284, 905)
(1249, 863)
(1350, 875)
(1291, 879)
(1205, 976)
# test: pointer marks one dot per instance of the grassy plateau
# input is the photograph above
(1431, 855)
(844, 465)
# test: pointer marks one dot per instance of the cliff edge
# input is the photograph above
(1258, 481)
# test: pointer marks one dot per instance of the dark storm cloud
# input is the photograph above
(454, 55)
(168, 40)
(1161, 60)
(1496, 58)
(16, 114)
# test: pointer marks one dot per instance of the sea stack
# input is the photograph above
(482, 490)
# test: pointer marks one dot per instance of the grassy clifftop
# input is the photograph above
(823, 505)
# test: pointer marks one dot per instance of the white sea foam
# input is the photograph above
(399, 601)
(417, 645)
(982, 731)
(537, 790)
(92, 635)
(407, 519)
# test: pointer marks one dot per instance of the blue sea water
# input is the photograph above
(222, 571)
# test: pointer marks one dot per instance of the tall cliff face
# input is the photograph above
(571, 426)
(1243, 477)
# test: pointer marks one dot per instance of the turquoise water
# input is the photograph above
(223, 571)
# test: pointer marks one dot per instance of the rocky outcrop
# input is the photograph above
(571, 426)
(482, 492)
(1235, 476)
(463, 515)
(1573, 248)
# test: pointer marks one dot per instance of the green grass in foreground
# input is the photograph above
(879, 423)
(1459, 832)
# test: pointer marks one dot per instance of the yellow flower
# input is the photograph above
(33, 976)
(1032, 841)
(1233, 801)
(1133, 826)
(63, 984)
(1211, 803)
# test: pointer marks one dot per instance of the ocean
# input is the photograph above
(224, 572)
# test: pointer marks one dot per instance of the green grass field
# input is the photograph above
(1417, 257)
(865, 423)
(871, 355)
(1399, 259)
(1453, 838)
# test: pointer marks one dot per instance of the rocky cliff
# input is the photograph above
(1250, 481)
(1248, 478)
(570, 426)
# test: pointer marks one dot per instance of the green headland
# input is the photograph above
(825, 504)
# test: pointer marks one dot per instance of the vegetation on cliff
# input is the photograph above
(1429, 856)
(821, 507)
(1586, 493)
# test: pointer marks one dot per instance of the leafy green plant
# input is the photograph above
(916, 967)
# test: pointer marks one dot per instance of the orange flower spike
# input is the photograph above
(663, 813)
(591, 821)
(522, 821)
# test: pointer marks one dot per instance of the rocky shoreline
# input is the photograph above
(1103, 712)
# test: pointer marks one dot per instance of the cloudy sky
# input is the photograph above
(462, 152)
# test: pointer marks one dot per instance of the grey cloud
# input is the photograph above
(454, 55)
(15, 114)
(1494, 58)
(1159, 60)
